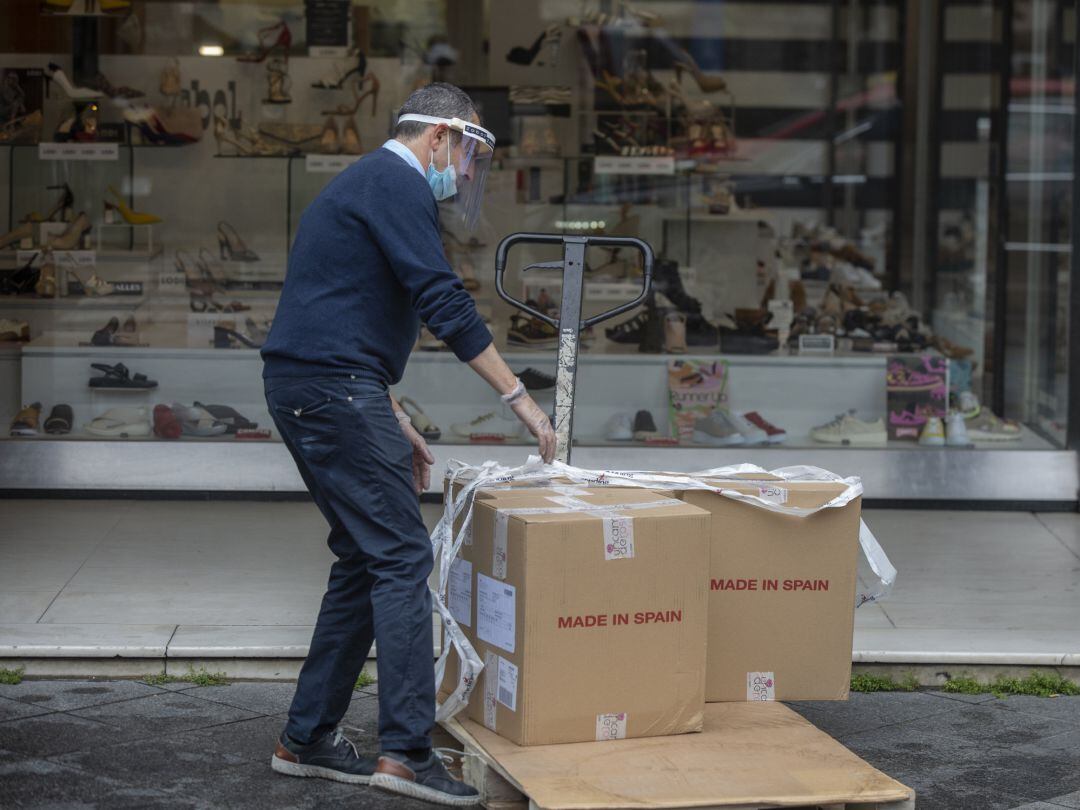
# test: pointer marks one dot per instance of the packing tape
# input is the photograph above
(498, 554)
(491, 688)
(446, 543)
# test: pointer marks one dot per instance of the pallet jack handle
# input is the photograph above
(569, 324)
(584, 242)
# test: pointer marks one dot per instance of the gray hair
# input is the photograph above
(440, 100)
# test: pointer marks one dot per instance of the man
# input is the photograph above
(367, 266)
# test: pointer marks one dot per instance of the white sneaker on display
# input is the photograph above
(488, 425)
(718, 430)
(620, 428)
(956, 434)
(750, 432)
(933, 433)
(848, 430)
(969, 404)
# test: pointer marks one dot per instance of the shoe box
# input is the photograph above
(781, 593)
(591, 622)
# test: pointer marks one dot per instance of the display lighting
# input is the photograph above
(211, 50)
(580, 224)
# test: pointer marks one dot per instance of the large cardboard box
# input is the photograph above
(591, 625)
(781, 594)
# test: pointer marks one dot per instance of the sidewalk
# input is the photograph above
(92, 587)
(125, 744)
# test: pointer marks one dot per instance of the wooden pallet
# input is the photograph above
(749, 757)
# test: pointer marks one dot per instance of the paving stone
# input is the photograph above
(262, 698)
(163, 713)
(42, 783)
(863, 712)
(1066, 709)
(67, 695)
(962, 698)
(11, 709)
(57, 733)
(993, 724)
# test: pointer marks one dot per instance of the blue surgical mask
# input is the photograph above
(443, 184)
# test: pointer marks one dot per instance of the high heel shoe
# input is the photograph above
(63, 205)
(24, 129)
(130, 217)
(46, 285)
(278, 82)
(350, 138)
(157, 131)
(169, 82)
(328, 141)
(193, 278)
(336, 77)
(358, 97)
(21, 281)
(706, 82)
(283, 41)
(114, 6)
(24, 231)
(225, 334)
(56, 74)
(229, 242)
(72, 237)
(95, 285)
(208, 269)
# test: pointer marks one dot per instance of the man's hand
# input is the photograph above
(538, 424)
(421, 457)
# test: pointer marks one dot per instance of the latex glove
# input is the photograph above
(538, 424)
(421, 457)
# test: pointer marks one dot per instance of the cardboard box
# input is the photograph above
(781, 594)
(590, 627)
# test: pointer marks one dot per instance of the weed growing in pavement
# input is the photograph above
(11, 677)
(864, 682)
(200, 678)
(1039, 684)
(363, 680)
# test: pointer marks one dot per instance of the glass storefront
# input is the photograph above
(861, 212)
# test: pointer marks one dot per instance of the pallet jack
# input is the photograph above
(569, 324)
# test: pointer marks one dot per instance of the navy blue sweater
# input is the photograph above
(366, 267)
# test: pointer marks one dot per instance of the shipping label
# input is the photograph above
(618, 538)
(760, 686)
(498, 555)
(611, 726)
(491, 684)
(460, 591)
(495, 619)
(773, 494)
(508, 681)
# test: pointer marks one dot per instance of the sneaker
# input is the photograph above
(26, 421)
(427, 780)
(333, 756)
(775, 435)
(846, 429)
(933, 433)
(534, 380)
(986, 427)
(901, 378)
(619, 428)
(747, 429)
(956, 434)
(644, 426)
(531, 333)
(968, 404)
(490, 426)
(718, 430)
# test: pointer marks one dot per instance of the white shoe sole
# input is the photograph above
(878, 440)
(714, 441)
(125, 432)
(279, 765)
(645, 435)
(403, 787)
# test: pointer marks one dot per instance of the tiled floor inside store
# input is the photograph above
(197, 578)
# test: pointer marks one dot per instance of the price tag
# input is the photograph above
(78, 151)
(328, 164)
(171, 283)
(328, 51)
(614, 164)
(75, 258)
(817, 344)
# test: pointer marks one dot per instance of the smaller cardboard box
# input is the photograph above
(591, 624)
(781, 593)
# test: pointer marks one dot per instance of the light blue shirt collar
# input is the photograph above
(405, 153)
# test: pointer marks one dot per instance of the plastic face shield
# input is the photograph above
(471, 159)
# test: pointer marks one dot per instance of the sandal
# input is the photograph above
(60, 420)
(119, 377)
(420, 420)
(121, 422)
(166, 425)
(228, 338)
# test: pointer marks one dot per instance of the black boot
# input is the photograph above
(666, 279)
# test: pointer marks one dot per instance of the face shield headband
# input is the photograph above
(470, 166)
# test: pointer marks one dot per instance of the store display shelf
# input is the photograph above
(588, 356)
(37, 350)
(66, 302)
(10, 260)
